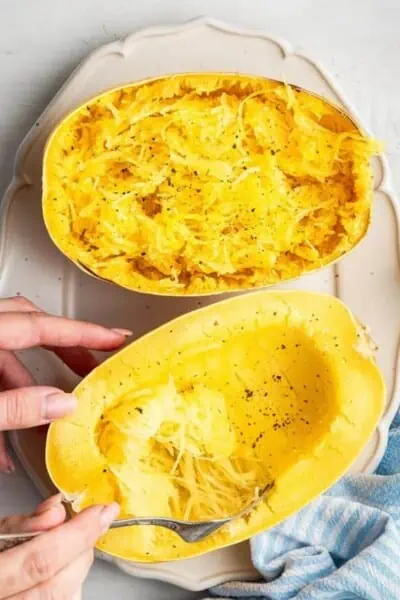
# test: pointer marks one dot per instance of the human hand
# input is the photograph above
(54, 564)
(23, 325)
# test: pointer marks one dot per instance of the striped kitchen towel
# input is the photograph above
(345, 545)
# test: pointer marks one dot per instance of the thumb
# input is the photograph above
(31, 406)
(47, 515)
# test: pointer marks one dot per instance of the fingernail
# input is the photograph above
(125, 332)
(10, 466)
(58, 405)
(108, 515)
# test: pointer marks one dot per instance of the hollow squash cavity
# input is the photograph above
(193, 419)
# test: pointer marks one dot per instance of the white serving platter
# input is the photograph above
(368, 280)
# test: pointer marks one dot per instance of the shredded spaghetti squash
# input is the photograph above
(197, 184)
(180, 442)
(193, 419)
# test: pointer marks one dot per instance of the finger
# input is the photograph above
(80, 360)
(27, 329)
(65, 584)
(13, 374)
(47, 515)
(40, 559)
(28, 407)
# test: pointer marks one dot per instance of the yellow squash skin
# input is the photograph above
(206, 183)
(301, 395)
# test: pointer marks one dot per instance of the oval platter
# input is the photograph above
(368, 280)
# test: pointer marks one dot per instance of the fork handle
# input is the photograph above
(187, 531)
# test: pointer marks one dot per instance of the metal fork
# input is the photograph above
(192, 531)
(189, 531)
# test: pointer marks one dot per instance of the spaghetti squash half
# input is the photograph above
(205, 183)
(191, 420)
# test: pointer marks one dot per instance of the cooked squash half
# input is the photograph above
(205, 183)
(191, 420)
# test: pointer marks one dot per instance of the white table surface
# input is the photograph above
(41, 42)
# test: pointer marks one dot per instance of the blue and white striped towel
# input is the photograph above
(344, 546)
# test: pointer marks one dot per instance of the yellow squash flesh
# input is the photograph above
(205, 183)
(191, 419)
